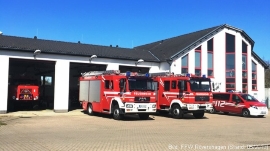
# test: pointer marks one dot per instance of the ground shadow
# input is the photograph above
(235, 115)
(187, 116)
(127, 117)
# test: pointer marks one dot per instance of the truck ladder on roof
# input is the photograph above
(168, 74)
(95, 73)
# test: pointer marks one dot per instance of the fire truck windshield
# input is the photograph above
(200, 85)
(141, 84)
(249, 98)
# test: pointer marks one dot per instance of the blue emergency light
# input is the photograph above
(188, 75)
(147, 74)
(204, 76)
(128, 73)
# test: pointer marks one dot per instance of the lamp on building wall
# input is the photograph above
(37, 52)
(92, 57)
(139, 61)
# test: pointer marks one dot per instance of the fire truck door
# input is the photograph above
(236, 104)
(184, 95)
(107, 94)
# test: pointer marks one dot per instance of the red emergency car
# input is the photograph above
(238, 103)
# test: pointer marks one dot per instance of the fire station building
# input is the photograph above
(224, 53)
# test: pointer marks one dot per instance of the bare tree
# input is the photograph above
(267, 75)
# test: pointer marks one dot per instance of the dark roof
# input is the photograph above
(68, 48)
(165, 49)
(265, 65)
(154, 52)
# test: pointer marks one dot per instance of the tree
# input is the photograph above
(267, 75)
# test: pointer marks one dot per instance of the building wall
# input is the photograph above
(219, 63)
(62, 65)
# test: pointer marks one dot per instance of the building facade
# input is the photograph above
(224, 53)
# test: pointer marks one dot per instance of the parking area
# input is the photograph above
(45, 130)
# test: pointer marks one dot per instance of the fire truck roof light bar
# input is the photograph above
(128, 74)
(237, 91)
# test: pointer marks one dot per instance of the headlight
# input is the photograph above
(129, 106)
(154, 106)
(255, 107)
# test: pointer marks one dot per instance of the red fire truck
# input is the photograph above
(23, 90)
(182, 93)
(112, 92)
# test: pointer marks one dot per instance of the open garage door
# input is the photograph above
(31, 84)
(75, 72)
(134, 69)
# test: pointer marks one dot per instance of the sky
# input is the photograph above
(129, 23)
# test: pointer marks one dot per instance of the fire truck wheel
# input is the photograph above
(116, 113)
(176, 112)
(198, 114)
(90, 109)
(245, 113)
(213, 111)
(144, 116)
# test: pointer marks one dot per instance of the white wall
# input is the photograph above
(219, 59)
(260, 93)
(4, 83)
(61, 86)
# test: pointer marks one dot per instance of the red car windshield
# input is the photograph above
(249, 98)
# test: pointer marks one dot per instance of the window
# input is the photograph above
(46, 80)
(254, 76)
(166, 85)
(230, 43)
(225, 97)
(210, 50)
(235, 98)
(108, 84)
(244, 68)
(173, 84)
(185, 64)
(198, 61)
(230, 62)
(244, 47)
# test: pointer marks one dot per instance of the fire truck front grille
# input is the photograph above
(142, 99)
(202, 98)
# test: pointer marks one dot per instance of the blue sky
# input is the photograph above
(131, 23)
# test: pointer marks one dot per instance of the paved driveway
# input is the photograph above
(78, 131)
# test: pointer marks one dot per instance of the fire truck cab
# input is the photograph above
(182, 93)
(23, 91)
(238, 103)
(112, 92)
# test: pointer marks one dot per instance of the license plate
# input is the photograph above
(142, 106)
(263, 112)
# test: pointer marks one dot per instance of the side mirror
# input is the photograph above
(121, 83)
(213, 86)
